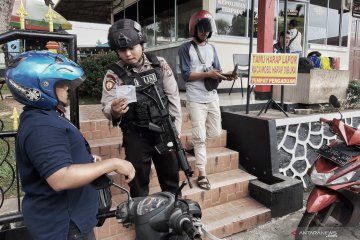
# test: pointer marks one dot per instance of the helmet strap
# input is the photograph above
(60, 108)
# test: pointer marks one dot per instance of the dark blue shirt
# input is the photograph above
(279, 49)
(47, 142)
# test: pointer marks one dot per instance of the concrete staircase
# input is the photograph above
(227, 207)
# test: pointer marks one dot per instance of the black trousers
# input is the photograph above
(140, 151)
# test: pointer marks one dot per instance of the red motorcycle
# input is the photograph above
(335, 198)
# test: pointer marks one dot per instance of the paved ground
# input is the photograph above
(283, 229)
(279, 229)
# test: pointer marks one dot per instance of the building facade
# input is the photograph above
(326, 26)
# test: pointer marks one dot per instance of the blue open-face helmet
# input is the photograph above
(32, 77)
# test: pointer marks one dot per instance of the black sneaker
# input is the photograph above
(190, 151)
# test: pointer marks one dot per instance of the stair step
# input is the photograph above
(225, 186)
(111, 146)
(99, 129)
(235, 216)
(106, 147)
(220, 141)
(219, 160)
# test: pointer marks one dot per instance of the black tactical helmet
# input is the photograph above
(125, 33)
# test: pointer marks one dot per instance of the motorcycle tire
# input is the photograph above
(308, 220)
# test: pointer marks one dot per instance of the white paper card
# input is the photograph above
(126, 91)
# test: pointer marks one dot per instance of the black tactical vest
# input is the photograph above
(146, 109)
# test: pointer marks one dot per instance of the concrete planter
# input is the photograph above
(315, 87)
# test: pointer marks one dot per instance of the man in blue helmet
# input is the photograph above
(141, 71)
(52, 156)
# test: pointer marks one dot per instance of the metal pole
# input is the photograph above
(154, 29)
(176, 20)
(250, 51)
(284, 48)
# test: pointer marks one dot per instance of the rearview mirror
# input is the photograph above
(333, 100)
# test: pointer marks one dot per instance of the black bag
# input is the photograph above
(210, 83)
(305, 65)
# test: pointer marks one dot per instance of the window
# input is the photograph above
(295, 11)
(185, 8)
(231, 17)
(146, 20)
(328, 22)
(333, 20)
(165, 21)
(344, 28)
(158, 18)
(317, 22)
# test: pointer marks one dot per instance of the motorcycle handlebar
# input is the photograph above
(105, 215)
(188, 227)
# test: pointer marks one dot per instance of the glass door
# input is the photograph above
(295, 11)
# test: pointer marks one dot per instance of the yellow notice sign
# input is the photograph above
(273, 68)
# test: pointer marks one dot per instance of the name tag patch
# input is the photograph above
(145, 81)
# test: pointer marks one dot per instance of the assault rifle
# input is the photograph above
(169, 134)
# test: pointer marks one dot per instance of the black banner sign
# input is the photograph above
(356, 8)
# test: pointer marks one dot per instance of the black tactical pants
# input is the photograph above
(139, 150)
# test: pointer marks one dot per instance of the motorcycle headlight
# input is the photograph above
(344, 179)
(151, 203)
(320, 178)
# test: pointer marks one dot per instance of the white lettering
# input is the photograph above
(136, 82)
(151, 78)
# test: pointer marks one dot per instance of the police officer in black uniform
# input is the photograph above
(142, 71)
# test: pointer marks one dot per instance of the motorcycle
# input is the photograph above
(336, 175)
(161, 215)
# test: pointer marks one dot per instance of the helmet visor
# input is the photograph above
(71, 84)
(206, 25)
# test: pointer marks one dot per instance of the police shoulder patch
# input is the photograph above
(167, 69)
(109, 81)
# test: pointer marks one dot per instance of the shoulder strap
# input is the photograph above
(155, 63)
(120, 72)
(291, 40)
(153, 59)
(198, 52)
(117, 69)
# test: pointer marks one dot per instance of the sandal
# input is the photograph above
(203, 182)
